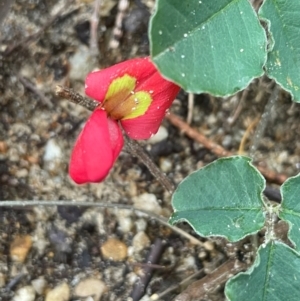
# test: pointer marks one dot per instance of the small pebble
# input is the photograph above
(59, 293)
(283, 157)
(165, 165)
(124, 220)
(114, 249)
(25, 293)
(2, 280)
(52, 151)
(185, 264)
(209, 246)
(39, 285)
(140, 241)
(22, 173)
(227, 141)
(141, 225)
(90, 287)
(20, 247)
(3, 147)
(161, 135)
(148, 202)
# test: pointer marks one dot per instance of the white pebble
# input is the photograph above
(141, 225)
(161, 135)
(39, 285)
(124, 221)
(90, 287)
(165, 164)
(52, 151)
(140, 241)
(148, 202)
(59, 293)
(22, 173)
(25, 293)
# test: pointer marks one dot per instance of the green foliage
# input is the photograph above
(219, 47)
(283, 62)
(274, 275)
(224, 198)
(208, 46)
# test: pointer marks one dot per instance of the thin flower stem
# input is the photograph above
(70, 203)
(76, 98)
(135, 149)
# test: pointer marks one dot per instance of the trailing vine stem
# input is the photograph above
(132, 146)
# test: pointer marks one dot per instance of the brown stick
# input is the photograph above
(198, 289)
(137, 151)
(152, 258)
(218, 150)
(75, 97)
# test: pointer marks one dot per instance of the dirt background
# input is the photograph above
(46, 43)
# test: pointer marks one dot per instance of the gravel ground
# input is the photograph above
(71, 253)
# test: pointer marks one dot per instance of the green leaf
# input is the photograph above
(275, 275)
(224, 199)
(283, 62)
(208, 46)
(290, 208)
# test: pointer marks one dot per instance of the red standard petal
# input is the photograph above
(96, 149)
(163, 94)
(97, 83)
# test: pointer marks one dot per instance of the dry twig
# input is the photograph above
(152, 258)
(71, 203)
(199, 289)
(218, 150)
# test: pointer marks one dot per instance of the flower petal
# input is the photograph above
(97, 83)
(163, 94)
(96, 149)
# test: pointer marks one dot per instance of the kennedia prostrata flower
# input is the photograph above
(132, 94)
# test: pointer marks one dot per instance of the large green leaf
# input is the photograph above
(224, 198)
(290, 208)
(283, 62)
(275, 276)
(210, 46)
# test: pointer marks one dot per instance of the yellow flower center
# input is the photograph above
(122, 102)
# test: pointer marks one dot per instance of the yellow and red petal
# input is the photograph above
(163, 94)
(96, 149)
(97, 83)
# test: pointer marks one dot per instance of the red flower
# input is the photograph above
(131, 93)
